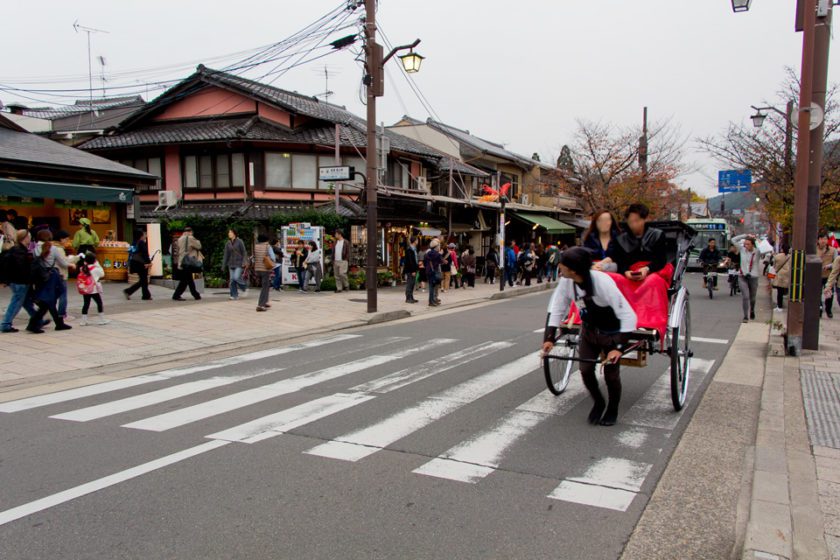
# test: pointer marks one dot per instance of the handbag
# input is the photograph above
(267, 262)
(191, 264)
(771, 272)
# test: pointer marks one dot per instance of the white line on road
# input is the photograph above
(610, 483)
(707, 340)
(479, 456)
(593, 495)
(181, 417)
(361, 443)
(116, 385)
(65, 496)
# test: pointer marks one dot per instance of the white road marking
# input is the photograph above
(634, 438)
(291, 418)
(479, 456)
(361, 443)
(181, 417)
(408, 376)
(24, 510)
(654, 408)
(611, 483)
(156, 397)
(591, 495)
(540, 330)
(116, 385)
(707, 340)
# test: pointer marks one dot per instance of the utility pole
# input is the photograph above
(337, 186)
(803, 323)
(643, 147)
(373, 80)
(89, 30)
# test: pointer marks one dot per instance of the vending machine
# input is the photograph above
(293, 233)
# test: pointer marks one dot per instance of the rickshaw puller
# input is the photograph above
(606, 323)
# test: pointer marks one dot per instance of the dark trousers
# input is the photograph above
(87, 298)
(828, 303)
(469, 279)
(185, 280)
(301, 276)
(527, 274)
(44, 307)
(510, 275)
(410, 280)
(277, 279)
(265, 287)
(490, 274)
(592, 344)
(780, 297)
(749, 289)
(142, 284)
(432, 280)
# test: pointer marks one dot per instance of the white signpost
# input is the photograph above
(336, 173)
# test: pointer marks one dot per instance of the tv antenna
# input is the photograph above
(327, 93)
(77, 27)
(102, 77)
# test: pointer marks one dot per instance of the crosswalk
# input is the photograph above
(395, 363)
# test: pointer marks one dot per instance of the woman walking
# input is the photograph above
(781, 262)
(264, 261)
(45, 280)
(491, 264)
(433, 263)
(19, 279)
(468, 262)
(139, 264)
(313, 267)
(234, 259)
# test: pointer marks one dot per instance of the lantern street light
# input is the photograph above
(411, 62)
(758, 119)
(741, 5)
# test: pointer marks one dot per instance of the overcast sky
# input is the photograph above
(518, 73)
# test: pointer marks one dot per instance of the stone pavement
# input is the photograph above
(145, 333)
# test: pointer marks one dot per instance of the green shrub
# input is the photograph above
(356, 280)
(328, 284)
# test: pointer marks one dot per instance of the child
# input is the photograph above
(89, 285)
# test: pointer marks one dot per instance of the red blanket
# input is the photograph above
(649, 299)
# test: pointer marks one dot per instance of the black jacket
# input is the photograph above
(21, 265)
(410, 266)
(650, 248)
(140, 258)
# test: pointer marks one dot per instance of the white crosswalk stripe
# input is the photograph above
(118, 384)
(359, 444)
(610, 483)
(188, 415)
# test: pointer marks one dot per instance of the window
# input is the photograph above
(190, 172)
(222, 171)
(149, 165)
(219, 171)
(278, 170)
(304, 171)
(237, 164)
(205, 172)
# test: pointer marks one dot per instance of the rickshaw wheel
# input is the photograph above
(558, 372)
(681, 356)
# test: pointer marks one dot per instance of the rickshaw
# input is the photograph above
(559, 363)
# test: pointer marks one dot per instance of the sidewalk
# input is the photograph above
(756, 474)
(143, 334)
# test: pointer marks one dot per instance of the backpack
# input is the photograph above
(40, 273)
(85, 283)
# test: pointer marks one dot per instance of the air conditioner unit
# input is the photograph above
(422, 184)
(526, 199)
(167, 200)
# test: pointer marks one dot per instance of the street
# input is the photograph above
(432, 437)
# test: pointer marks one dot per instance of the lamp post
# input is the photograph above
(758, 121)
(374, 80)
(813, 18)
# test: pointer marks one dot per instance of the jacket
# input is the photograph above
(235, 254)
(468, 262)
(262, 250)
(313, 259)
(140, 258)
(411, 266)
(345, 251)
(82, 237)
(492, 259)
(834, 276)
(649, 248)
(606, 294)
(21, 265)
(510, 258)
(9, 234)
(781, 262)
(299, 259)
(432, 263)
(592, 243)
(827, 256)
(187, 245)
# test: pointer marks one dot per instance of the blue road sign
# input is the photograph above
(734, 180)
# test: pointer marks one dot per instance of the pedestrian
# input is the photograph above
(235, 259)
(455, 269)
(45, 281)
(313, 267)
(551, 262)
(433, 264)
(832, 285)
(510, 264)
(781, 262)
(139, 263)
(527, 262)
(8, 233)
(277, 278)
(410, 269)
(89, 285)
(264, 260)
(187, 259)
(827, 254)
(86, 239)
(607, 320)
(299, 263)
(16, 267)
(445, 266)
(748, 278)
(468, 262)
(421, 265)
(491, 265)
(341, 262)
(64, 263)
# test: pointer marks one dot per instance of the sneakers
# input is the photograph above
(10, 330)
(777, 310)
(233, 298)
(63, 327)
(260, 308)
(84, 321)
(752, 315)
(102, 320)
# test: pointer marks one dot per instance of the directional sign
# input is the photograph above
(339, 173)
(734, 180)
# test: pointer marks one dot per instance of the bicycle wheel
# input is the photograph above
(680, 356)
(710, 284)
(558, 371)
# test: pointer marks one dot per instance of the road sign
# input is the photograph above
(734, 180)
(336, 173)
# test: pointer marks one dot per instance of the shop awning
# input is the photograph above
(64, 191)
(546, 222)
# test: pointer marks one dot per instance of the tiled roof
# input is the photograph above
(82, 106)
(247, 210)
(26, 148)
(217, 130)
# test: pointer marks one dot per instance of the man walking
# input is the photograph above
(826, 253)
(748, 278)
(263, 265)
(341, 262)
(186, 246)
(410, 270)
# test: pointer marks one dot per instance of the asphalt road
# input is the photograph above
(432, 438)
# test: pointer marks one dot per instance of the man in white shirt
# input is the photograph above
(341, 262)
(606, 318)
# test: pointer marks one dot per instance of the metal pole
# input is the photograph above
(90, 80)
(373, 70)
(813, 265)
(796, 311)
(502, 242)
(789, 135)
(337, 186)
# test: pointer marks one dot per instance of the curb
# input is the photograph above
(72, 379)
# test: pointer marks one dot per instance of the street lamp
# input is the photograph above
(758, 119)
(411, 62)
(741, 5)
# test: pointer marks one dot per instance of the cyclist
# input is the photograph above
(606, 318)
(710, 258)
